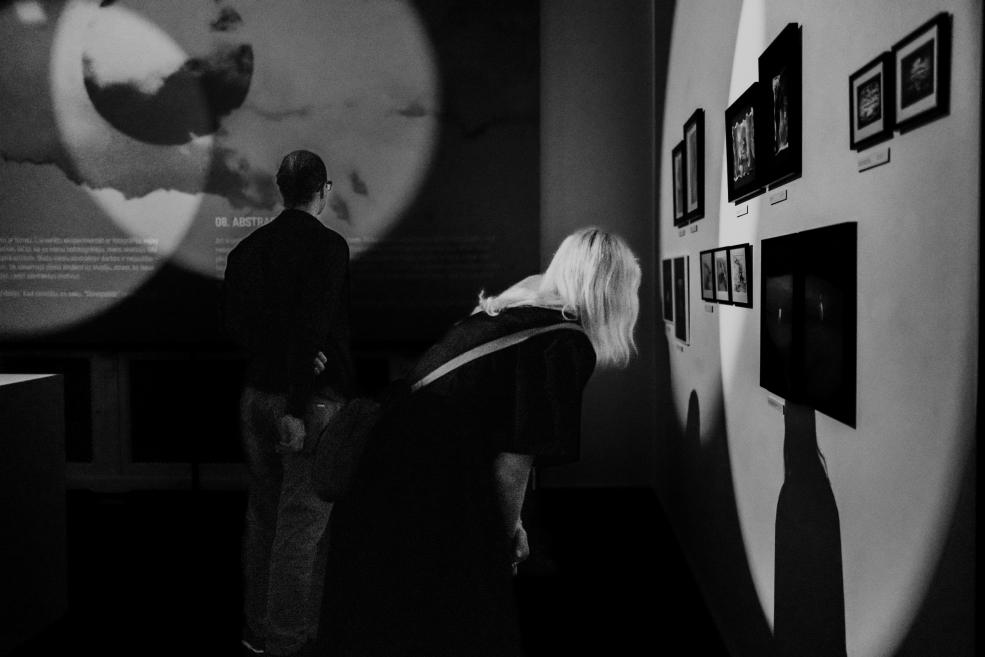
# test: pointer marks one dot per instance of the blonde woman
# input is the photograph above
(424, 547)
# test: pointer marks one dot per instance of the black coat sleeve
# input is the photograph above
(539, 411)
(320, 299)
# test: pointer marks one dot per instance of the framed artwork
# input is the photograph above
(678, 165)
(740, 275)
(723, 283)
(780, 73)
(743, 120)
(871, 102)
(922, 63)
(694, 158)
(667, 283)
(680, 298)
(708, 275)
(808, 319)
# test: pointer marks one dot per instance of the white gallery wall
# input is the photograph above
(895, 476)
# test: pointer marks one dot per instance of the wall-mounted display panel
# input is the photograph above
(808, 322)
(922, 62)
(871, 102)
(780, 78)
(745, 170)
(694, 158)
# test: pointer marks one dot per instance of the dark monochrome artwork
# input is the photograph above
(742, 129)
(871, 102)
(923, 72)
(677, 159)
(780, 75)
(781, 112)
(708, 275)
(723, 285)
(694, 157)
(740, 274)
(667, 285)
(808, 322)
(681, 298)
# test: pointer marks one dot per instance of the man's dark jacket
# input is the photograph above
(286, 297)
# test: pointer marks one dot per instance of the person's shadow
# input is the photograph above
(809, 600)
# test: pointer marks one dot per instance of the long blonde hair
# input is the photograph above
(593, 277)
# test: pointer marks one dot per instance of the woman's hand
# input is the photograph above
(320, 362)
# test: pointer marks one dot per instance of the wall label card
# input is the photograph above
(778, 197)
(709, 307)
(873, 159)
(682, 232)
(742, 210)
(694, 228)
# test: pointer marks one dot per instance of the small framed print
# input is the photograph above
(780, 74)
(678, 165)
(871, 102)
(723, 283)
(922, 62)
(694, 159)
(744, 167)
(667, 284)
(680, 298)
(740, 275)
(708, 275)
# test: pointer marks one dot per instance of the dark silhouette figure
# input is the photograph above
(809, 604)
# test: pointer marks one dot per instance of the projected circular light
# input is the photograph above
(111, 73)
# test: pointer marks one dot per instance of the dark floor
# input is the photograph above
(158, 573)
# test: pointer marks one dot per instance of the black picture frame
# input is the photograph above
(667, 285)
(740, 275)
(706, 271)
(872, 102)
(922, 74)
(808, 318)
(745, 173)
(781, 81)
(678, 165)
(681, 298)
(694, 161)
(723, 281)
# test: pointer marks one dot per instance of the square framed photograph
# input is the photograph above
(740, 275)
(708, 275)
(694, 158)
(780, 76)
(922, 63)
(871, 102)
(667, 285)
(677, 166)
(743, 118)
(681, 298)
(723, 282)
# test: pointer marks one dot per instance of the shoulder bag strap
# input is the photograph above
(489, 347)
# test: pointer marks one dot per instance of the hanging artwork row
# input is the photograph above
(726, 275)
(688, 171)
(903, 88)
(764, 126)
(675, 288)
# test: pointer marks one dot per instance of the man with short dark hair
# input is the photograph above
(285, 298)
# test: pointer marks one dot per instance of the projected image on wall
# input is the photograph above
(138, 143)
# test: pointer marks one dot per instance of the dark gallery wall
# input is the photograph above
(597, 82)
(891, 500)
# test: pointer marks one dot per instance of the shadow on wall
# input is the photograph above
(809, 597)
(700, 501)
